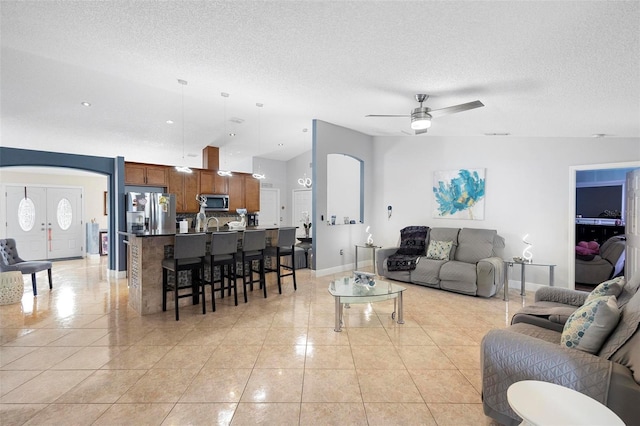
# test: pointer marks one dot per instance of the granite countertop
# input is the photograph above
(191, 231)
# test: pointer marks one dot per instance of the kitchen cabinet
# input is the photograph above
(212, 183)
(244, 192)
(186, 186)
(145, 174)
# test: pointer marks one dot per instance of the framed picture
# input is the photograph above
(106, 203)
(104, 243)
(459, 194)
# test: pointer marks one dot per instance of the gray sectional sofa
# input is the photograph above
(530, 349)
(474, 265)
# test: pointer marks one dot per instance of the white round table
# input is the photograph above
(542, 403)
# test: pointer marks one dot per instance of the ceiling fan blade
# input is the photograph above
(456, 108)
(421, 131)
(386, 115)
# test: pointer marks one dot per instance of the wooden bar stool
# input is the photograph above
(283, 248)
(189, 251)
(224, 246)
(253, 245)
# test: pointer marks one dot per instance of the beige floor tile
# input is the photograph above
(46, 387)
(9, 354)
(9, 380)
(89, 358)
(159, 386)
(459, 415)
(122, 337)
(424, 357)
(398, 413)
(245, 336)
(80, 337)
(331, 357)
(368, 337)
(17, 414)
(205, 414)
(204, 337)
(217, 385)
(42, 358)
(102, 387)
(258, 321)
(431, 384)
(231, 356)
(409, 336)
(69, 414)
(387, 386)
(274, 385)
(40, 337)
(135, 414)
(331, 413)
(474, 377)
(463, 357)
(324, 385)
(281, 413)
(163, 337)
(450, 336)
(320, 336)
(137, 357)
(377, 357)
(286, 336)
(281, 357)
(185, 357)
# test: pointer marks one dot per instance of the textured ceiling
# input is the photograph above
(543, 69)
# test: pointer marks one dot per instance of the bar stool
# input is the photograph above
(224, 246)
(285, 247)
(189, 251)
(253, 245)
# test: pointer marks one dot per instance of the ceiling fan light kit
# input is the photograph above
(420, 119)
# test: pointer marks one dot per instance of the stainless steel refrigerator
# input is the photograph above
(151, 212)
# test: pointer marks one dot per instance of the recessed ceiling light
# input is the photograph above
(236, 120)
(280, 144)
(87, 104)
(169, 121)
(305, 130)
(232, 134)
(224, 95)
(259, 105)
(598, 135)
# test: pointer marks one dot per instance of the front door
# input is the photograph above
(45, 222)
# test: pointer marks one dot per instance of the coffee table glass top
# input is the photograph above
(346, 287)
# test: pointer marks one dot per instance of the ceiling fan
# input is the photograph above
(421, 116)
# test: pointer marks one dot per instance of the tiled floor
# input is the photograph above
(78, 355)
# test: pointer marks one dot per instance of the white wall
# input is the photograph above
(93, 186)
(529, 188)
(297, 167)
(329, 240)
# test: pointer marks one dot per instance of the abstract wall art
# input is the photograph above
(459, 194)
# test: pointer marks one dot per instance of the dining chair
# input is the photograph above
(10, 261)
(224, 246)
(189, 252)
(285, 247)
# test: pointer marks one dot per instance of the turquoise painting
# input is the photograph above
(459, 194)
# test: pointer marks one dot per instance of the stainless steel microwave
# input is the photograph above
(217, 202)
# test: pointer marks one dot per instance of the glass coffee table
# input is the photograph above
(345, 291)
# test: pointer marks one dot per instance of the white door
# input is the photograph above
(27, 220)
(269, 207)
(633, 224)
(45, 222)
(64, 221)
(301, 203)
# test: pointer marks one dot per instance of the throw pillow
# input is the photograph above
(439, 250)
(611, 287)
(590, 325)
(413, 240)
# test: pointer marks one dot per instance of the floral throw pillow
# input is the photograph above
(590, 325)
(612, 287)
(439, 250)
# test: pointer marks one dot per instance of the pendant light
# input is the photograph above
(183, 169)
(225, 172)
(255, 175)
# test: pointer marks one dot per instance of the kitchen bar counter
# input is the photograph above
(144, 267)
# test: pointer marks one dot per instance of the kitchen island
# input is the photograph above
(144, 266)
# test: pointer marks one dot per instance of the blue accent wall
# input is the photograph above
(113, 168)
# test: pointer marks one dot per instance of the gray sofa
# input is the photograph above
(474, 265)
(530, 349)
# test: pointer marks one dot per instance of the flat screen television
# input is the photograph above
(599, 201)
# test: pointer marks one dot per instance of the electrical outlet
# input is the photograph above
(341, 252)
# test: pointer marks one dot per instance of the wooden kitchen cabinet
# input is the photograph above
(186, 187)
(145, 174)
(244, 192)
(212, 183)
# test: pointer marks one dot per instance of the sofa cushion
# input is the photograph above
(446, 234)
(589, 326)
(439, 250)
(629, 355)
(611, 287)
(413, 240)
(427, 272)
(475, 244)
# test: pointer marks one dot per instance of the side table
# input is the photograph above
(373, 254)
(509, 264)
(543, 403)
